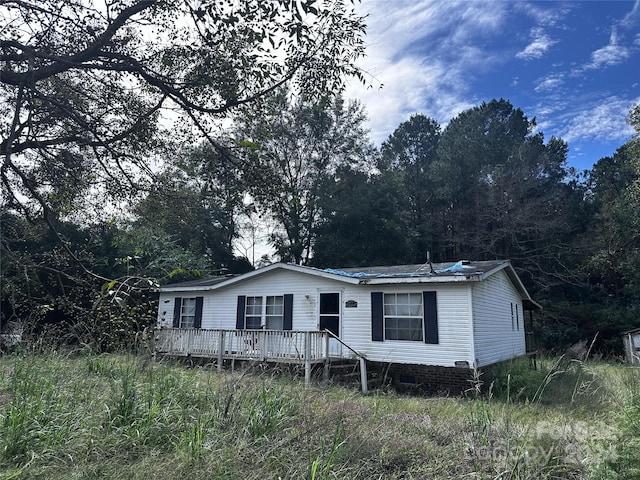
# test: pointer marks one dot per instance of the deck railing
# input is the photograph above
(263, 345)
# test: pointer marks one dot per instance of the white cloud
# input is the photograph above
(540, 44)
(609, 55)
(631, 18)
(605, 120)
(616, 52)
(545, 16)
(424, 52)
(549, 83)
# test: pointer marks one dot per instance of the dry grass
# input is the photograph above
(119, 416)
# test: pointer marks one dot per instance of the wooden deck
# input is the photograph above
(285, 346)
(264, 345)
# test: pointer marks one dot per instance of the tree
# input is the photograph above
(292, 145)
(510, 195)
(51, 297)
(197, 201)
(361, 221)
(409, 153)
(615, 261)
(94, 94)
(473, 144)
(84, 88)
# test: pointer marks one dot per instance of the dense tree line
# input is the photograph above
(486, 186)
(297, 162)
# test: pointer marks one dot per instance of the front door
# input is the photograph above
(330, 319)
(274, 320)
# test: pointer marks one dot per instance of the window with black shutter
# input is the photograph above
(272, 312)
(404, 316)
(187, 312)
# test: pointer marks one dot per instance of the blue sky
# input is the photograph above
(574, 65)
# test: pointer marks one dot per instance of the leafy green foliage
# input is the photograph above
(362, 223)
(409, 154)
(196, 204)
(56, 300)
(301, 143)
(84, 88)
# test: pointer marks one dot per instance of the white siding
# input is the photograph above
(454, 327)
(219, 306)
(494, 337)
(488, 303)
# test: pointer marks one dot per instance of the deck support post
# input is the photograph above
(189, 341)
(327, 362)
(307, 358)
(363, 375)
(221, 351)
(263, 346)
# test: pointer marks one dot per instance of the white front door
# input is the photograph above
(274, 320)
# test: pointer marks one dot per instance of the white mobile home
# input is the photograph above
(418, 318)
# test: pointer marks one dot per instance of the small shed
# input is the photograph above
(631, 340)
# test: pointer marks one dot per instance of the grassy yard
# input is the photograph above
(120, 416)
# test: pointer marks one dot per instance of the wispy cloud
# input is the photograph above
(549, 83)
(540, 44)
(602, 120)
(543, 14)
(440, 58)
(616, 52)
(609, 55)
(424, 53)
(631, 18)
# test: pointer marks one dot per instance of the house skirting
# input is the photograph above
(430, 379)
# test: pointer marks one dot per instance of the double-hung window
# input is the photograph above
(515, 320)
(274, 313)
(267, 312)
(187, 312)
(253, 313)
(403, 316)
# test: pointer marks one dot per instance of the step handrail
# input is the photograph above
(333, 335)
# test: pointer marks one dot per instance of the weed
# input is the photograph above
(115, 416)
(321, 465)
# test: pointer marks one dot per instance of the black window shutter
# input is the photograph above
(240, 313)
(377, 319)
(430, 317)
(197, 322)
(177, 307)
(287, 323)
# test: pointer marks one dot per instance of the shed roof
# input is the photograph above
(631, 332)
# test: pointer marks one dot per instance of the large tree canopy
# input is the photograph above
(295, 144)
(83, 84)
(409, 154)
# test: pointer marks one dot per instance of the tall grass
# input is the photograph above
(118, 416)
